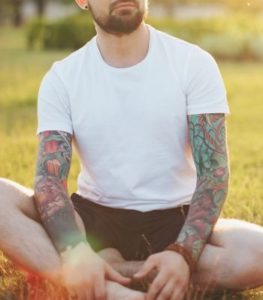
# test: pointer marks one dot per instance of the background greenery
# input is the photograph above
(11, 11)
(20, 73)
(238, 37)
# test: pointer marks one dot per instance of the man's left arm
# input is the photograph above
(207, 133)
(208, 141)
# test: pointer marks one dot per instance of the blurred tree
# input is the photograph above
(42, 4)
(235, 5)
(3, 9)
(12, 9)
(169, 5)
(247, 5)
(40, 7)
(17, 12)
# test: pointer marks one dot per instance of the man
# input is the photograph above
(146, 113)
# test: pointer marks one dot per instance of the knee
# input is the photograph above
(236, 270)
(5, 188)
(248, 273)
(12, 193)
(242, 271)
(111, 255)
(218, 274)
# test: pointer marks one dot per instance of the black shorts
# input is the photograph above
(135, 234)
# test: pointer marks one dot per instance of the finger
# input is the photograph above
(148, 266)
(116, 276)
(167, 291)
(178, 294)
(157, 285)
(100, 289)
(89, 292)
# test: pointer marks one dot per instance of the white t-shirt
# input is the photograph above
(130, 124)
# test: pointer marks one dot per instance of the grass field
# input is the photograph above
(20, 74)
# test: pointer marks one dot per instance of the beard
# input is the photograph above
(124, 22)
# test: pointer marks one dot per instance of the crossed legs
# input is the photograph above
(231, 259)
(26, 243)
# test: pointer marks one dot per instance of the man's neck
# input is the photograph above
(126, 50)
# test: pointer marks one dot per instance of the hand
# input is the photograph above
(84, 273)
(172, 280)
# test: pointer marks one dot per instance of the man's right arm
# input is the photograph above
(83, 271)
(51, 196)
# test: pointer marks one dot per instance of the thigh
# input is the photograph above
(237, 234)
(231, 257)
(21, 197)
(15, 195)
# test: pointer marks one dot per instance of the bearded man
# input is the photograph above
(146, 113)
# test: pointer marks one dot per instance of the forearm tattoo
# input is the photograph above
(208, 141)
(51, 197)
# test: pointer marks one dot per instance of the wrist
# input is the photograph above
(185, 254)
(74, 254)
(69, 239)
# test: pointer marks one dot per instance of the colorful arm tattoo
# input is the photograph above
(51, 197)
(208, 141)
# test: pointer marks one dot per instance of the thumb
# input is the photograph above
(116, 276)
(146, 268)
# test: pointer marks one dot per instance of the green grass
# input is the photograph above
(20, 74)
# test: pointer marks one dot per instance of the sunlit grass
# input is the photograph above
(20, 75)
(244, 83)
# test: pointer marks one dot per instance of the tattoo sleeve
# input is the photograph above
(208, 142)
(51, 197)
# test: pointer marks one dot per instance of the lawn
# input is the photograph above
(20, 74)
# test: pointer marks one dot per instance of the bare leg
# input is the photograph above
(233, 257)
(116, 260)
(24, 240)
(116, 291)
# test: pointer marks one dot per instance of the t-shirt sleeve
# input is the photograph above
(205, 89)
(53, 105)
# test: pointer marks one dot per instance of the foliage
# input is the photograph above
(237, 37)
(251, 6)
(68, 33)
(194, 29)
(11, 11)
